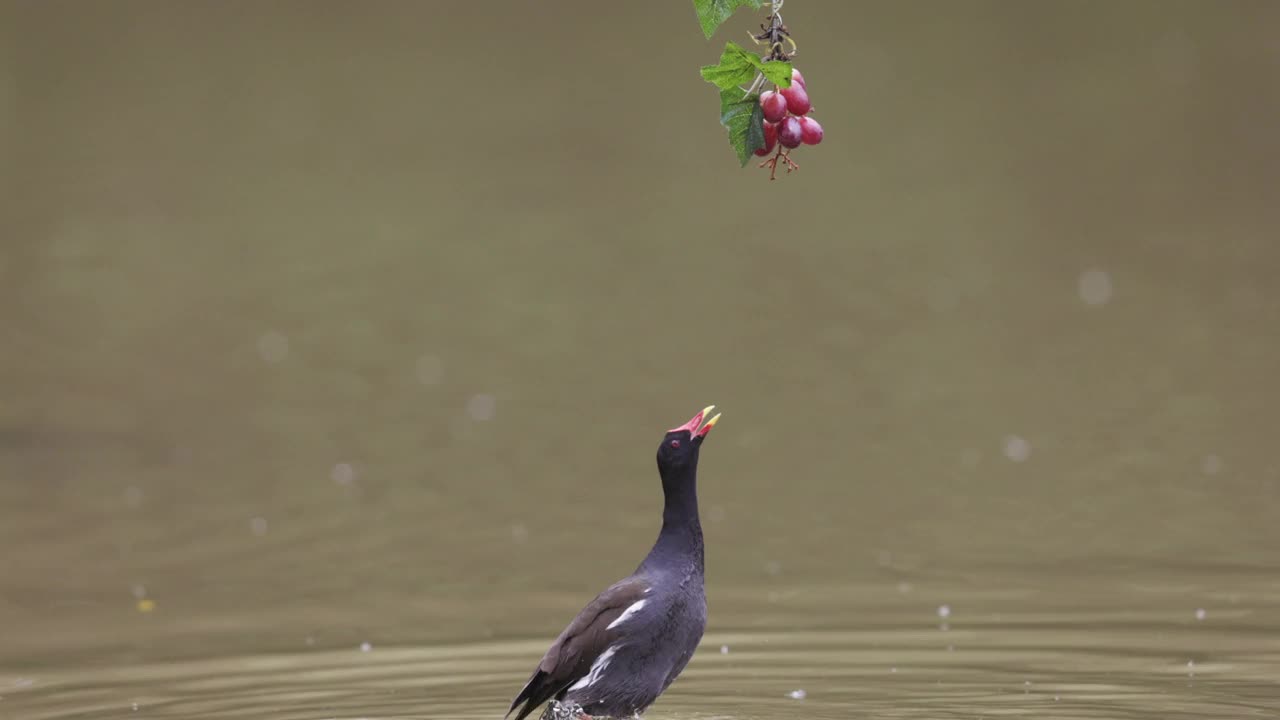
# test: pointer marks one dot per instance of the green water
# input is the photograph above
(338, 340)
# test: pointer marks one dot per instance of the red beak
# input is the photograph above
(692, 426)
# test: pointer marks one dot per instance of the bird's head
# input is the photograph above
(679, 448)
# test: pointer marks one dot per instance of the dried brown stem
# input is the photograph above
(772, 163)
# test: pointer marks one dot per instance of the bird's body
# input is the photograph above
(629, 643)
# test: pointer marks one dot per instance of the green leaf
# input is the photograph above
(755, 132)
(744, 119)
(739, 112)
(777, 72)
(711, 13)
(739, 67)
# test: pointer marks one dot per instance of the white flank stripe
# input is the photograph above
(626, 614)
(597, 667)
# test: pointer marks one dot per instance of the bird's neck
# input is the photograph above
(679, 544)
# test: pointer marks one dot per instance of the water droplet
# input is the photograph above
(258, 526)
(944, 611)
(1201, 614)
(430, 370)
(480, 407)
(1016, 448)
(310, 641)
(904, 587)
(1095, 287)
(773, 567)
(273, 347)
(365, 647)
(519, 533)
(135, 707)
(797, 694)
(139, 590)
(724, 649)
(133, 496)
(343, 474)
(1211, 465)
(1191, 668)
(893, 670)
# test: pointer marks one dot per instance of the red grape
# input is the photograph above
(797, 99)
(789, 132)
(773, 105)
(798, 79)
(770, 139)
(810, 131)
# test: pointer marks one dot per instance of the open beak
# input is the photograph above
(695, 427)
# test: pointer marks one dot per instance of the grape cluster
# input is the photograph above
(787, 122)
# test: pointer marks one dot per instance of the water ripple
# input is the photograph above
(996, 671)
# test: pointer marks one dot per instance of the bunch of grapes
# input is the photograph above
(787, 122)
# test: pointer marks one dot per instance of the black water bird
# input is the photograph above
(629, 643)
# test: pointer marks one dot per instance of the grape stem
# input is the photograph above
(772, 162)
(777, 35)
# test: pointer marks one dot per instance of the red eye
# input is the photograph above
(675, 443)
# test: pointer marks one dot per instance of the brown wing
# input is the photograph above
(569, 658)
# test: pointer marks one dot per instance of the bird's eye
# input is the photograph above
(675, 443)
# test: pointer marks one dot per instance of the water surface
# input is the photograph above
(338, 342)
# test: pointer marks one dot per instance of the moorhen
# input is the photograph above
(627, 645)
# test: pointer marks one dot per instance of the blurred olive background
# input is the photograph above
(327, 323)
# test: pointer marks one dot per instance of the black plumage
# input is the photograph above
(629, 643)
